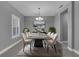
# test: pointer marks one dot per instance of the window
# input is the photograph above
(15, 26)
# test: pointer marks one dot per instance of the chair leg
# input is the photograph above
(47, 49)
(44, 44)
(23, 47)
(30, 47)
(55, 48)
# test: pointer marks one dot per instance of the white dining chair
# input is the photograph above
(25, 40)
(52, 42)
(49, 33)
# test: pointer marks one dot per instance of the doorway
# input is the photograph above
(64, 26)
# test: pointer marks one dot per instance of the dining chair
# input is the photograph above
(25, 41)
(49, 33)
(52, 42)
(48, 37)
(27, 34)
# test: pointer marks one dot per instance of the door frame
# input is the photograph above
(65, 11)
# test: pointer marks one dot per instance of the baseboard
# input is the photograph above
(8, 48)
(70, 49)
(75, 51)
(64, 41)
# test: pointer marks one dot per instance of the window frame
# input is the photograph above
(17, 26)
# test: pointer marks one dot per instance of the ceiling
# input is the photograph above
(30, 8)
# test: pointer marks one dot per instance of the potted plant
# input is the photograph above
(25, 30)
(52, 29)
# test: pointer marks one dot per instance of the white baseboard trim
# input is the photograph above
(70, 49)
(77, 52)
(63, 42)
(6, 49)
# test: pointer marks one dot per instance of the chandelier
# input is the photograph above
(39, 18)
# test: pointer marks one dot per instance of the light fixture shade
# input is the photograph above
(39, 18)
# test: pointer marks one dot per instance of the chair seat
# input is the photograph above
(50, 41)
(28, 40)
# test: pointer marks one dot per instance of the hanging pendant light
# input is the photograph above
(39, 18)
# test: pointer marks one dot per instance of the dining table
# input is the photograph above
(37, 38)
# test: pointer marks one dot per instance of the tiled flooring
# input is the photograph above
(62, 51)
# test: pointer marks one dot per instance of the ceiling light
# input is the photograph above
(39, 18)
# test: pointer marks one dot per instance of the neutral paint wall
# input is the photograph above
(57, 22)
(6, 10)
(76, 26)
(64, 25)
(28, 21)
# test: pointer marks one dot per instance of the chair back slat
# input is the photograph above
(49, 33)
(55, 38)
(52, 35)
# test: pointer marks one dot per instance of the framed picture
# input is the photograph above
(39, 24)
